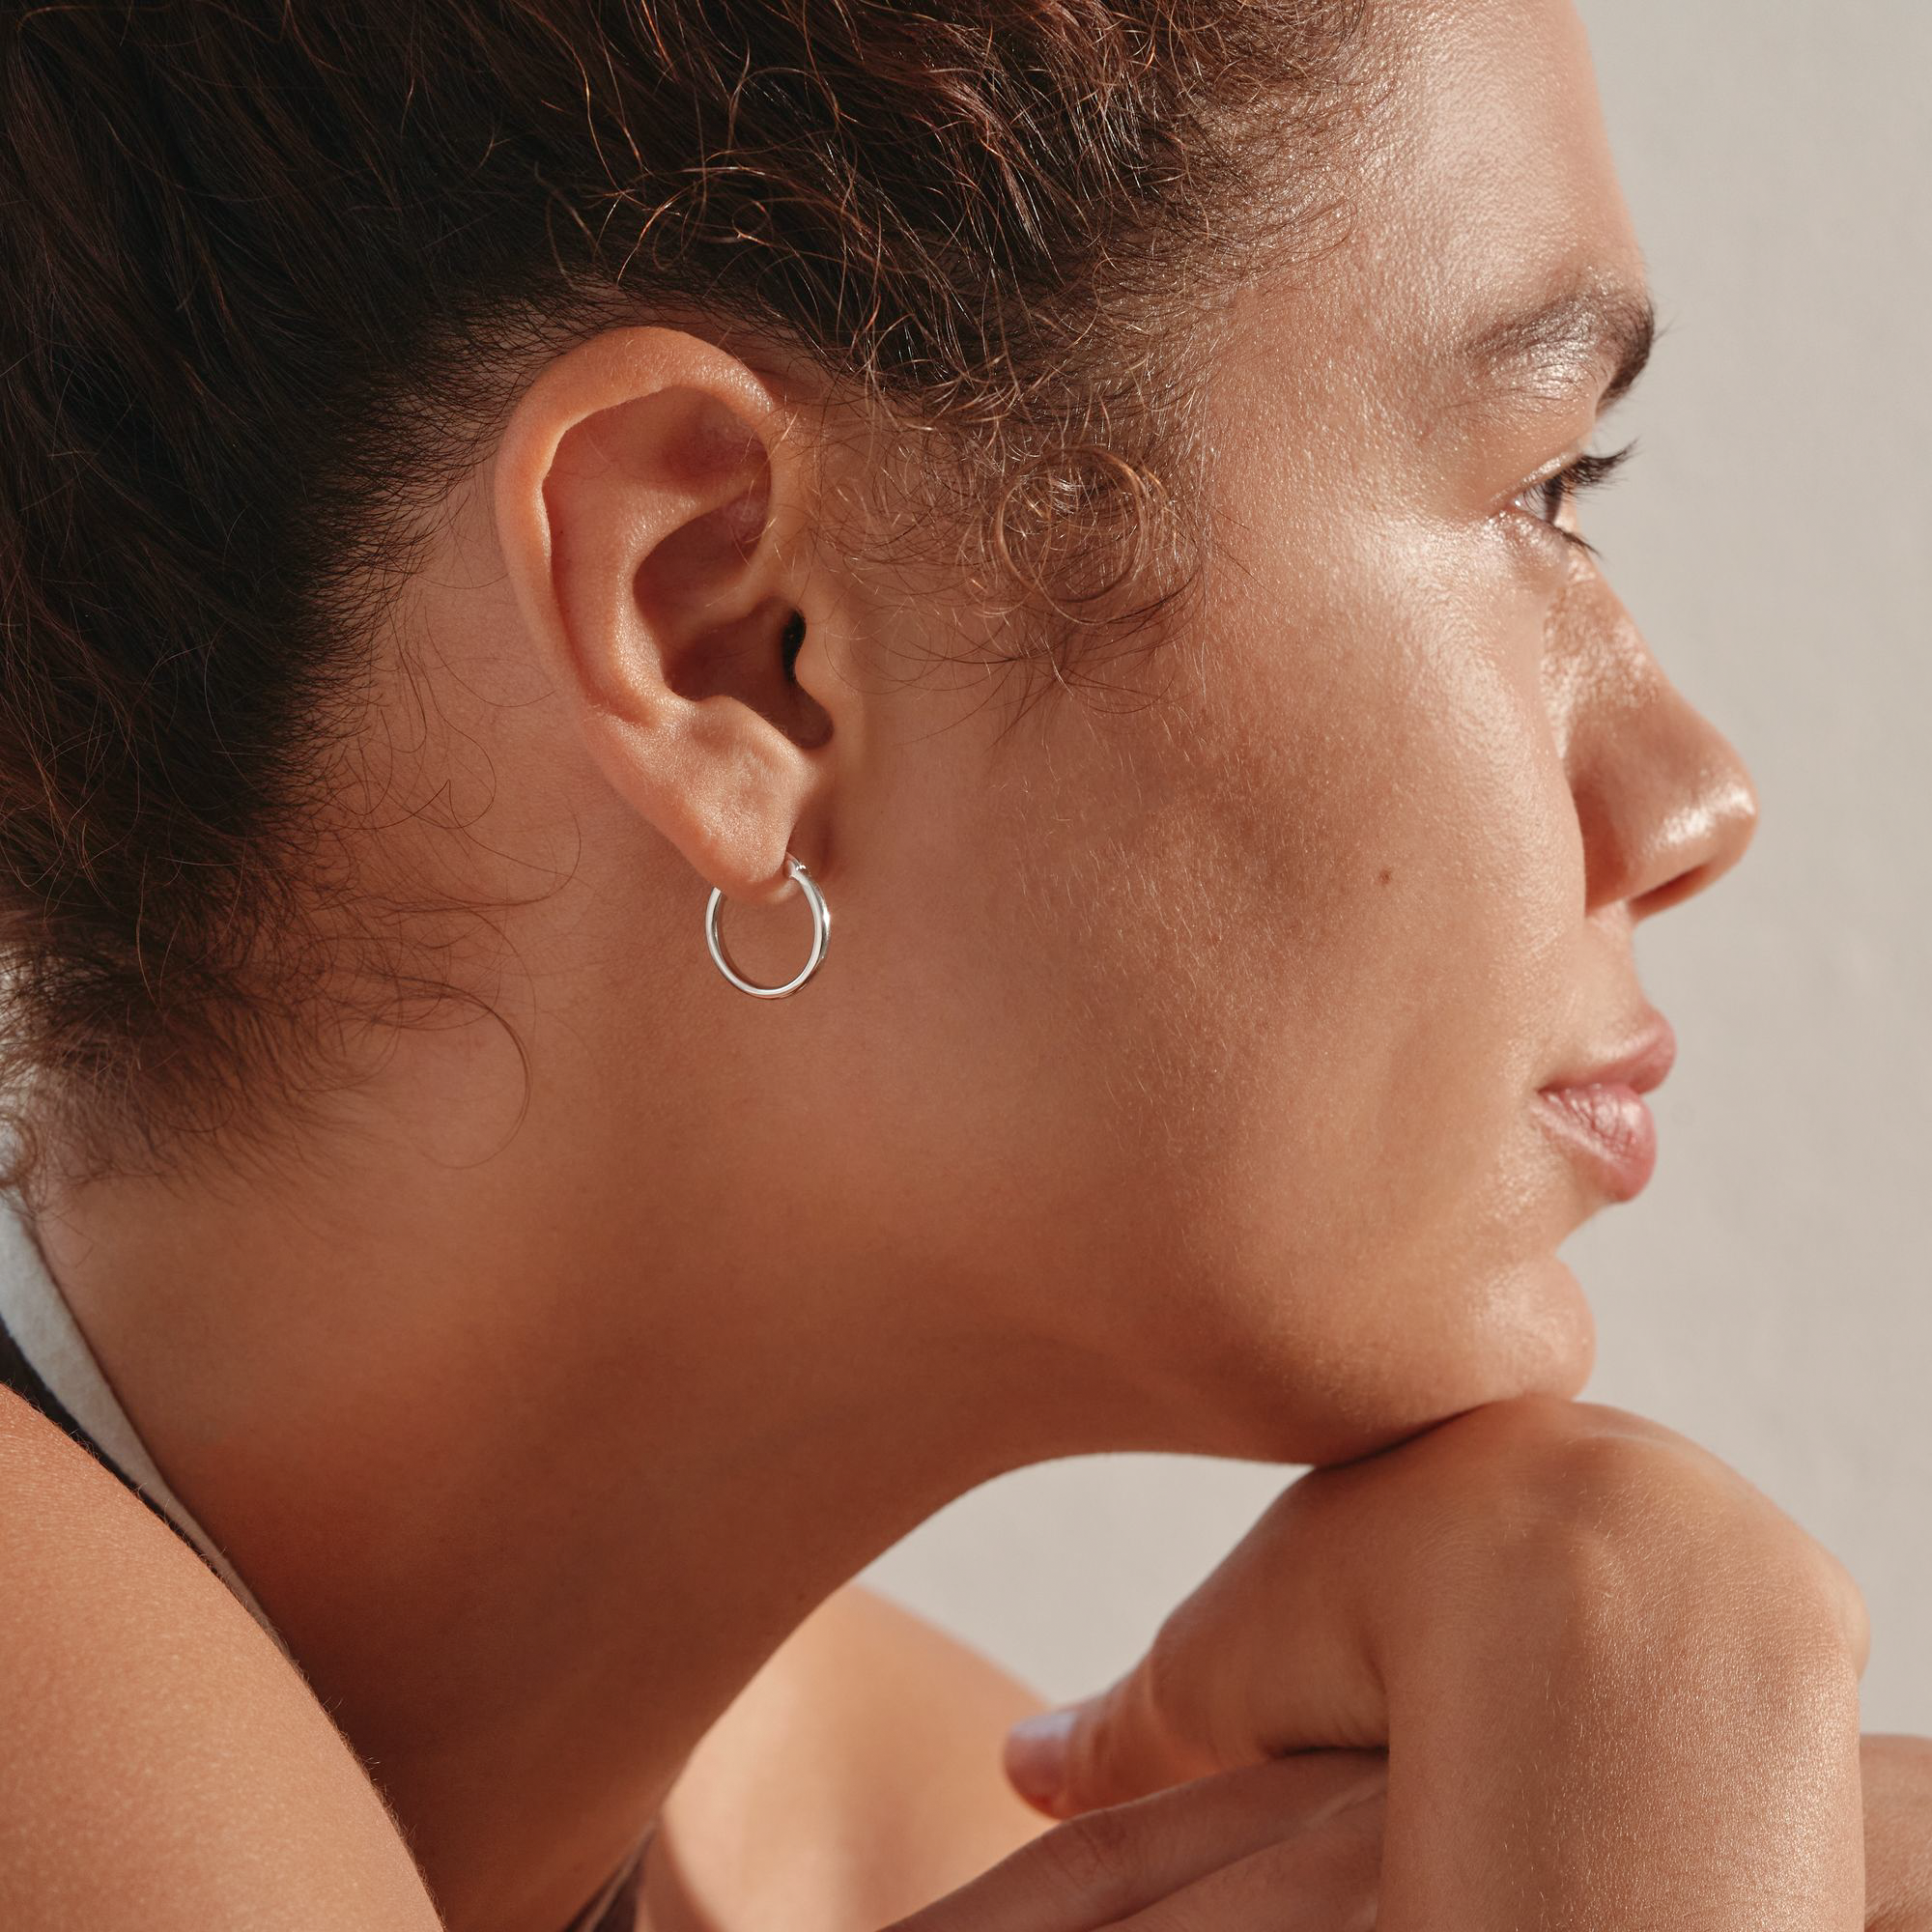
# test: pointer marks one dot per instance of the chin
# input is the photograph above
(1530, 1332)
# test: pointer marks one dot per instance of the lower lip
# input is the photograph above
(1610, 1132)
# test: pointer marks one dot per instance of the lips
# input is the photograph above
(1599, 1115)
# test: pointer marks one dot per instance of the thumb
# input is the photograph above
(1102, 1750)
(1269, 1655)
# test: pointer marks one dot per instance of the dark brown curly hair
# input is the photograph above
(275, 273)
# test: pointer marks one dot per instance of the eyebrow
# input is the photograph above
(1559, 345)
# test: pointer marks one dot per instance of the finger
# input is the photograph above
(1898, 1832)
(1268, 1656)
(1093, 1870)
(1323, 1881)
(1107, 1749)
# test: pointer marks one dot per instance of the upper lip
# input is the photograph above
(1641, 1064)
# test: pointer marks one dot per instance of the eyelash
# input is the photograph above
(1562, 487)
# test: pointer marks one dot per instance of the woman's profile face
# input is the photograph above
(1203, 1038)
(1174, 1079)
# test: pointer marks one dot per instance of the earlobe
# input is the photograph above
(647, 507)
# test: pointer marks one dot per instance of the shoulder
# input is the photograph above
(141, 1708)
(855, 1778)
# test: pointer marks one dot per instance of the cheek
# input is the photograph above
(1224, 1007)
(1316, 897)
(1310, 918)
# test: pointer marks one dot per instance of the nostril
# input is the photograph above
(1685, 885)
(1711, 841)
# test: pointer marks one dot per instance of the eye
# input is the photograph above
(1550, 499)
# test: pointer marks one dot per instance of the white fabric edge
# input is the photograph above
(35, 1312)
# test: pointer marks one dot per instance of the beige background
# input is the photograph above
(1771, 1293)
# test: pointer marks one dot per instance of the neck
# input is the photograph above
(529, 1509)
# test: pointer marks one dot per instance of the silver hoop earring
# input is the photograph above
(821, 934)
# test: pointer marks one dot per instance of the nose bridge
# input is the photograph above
(1665, 804)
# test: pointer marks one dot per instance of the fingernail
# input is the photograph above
(1035, 1755)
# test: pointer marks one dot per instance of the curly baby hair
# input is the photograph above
(273, 277)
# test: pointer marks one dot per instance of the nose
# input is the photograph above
(1665, 804)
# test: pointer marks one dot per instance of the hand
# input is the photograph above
(1294, 1841)
(1617, 1686)
(1239, 1849)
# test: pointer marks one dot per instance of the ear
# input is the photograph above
(650, 510)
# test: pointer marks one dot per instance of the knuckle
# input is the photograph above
(1098, 1769)
(1090, 1860)
(1664, 1497)
(1167, 1683)
(1648, 1526)
(1139, 1736)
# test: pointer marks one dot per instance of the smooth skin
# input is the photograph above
(1172, 1085)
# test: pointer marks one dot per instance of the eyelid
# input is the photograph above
(1583, 470)
(1587, 468)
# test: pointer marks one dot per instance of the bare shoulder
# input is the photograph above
(856, 1778)
(162, 1765)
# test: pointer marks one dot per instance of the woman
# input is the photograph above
(515, 517)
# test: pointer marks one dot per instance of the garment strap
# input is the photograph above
(614, 1909)
(46, 1359)
(48, 1343)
